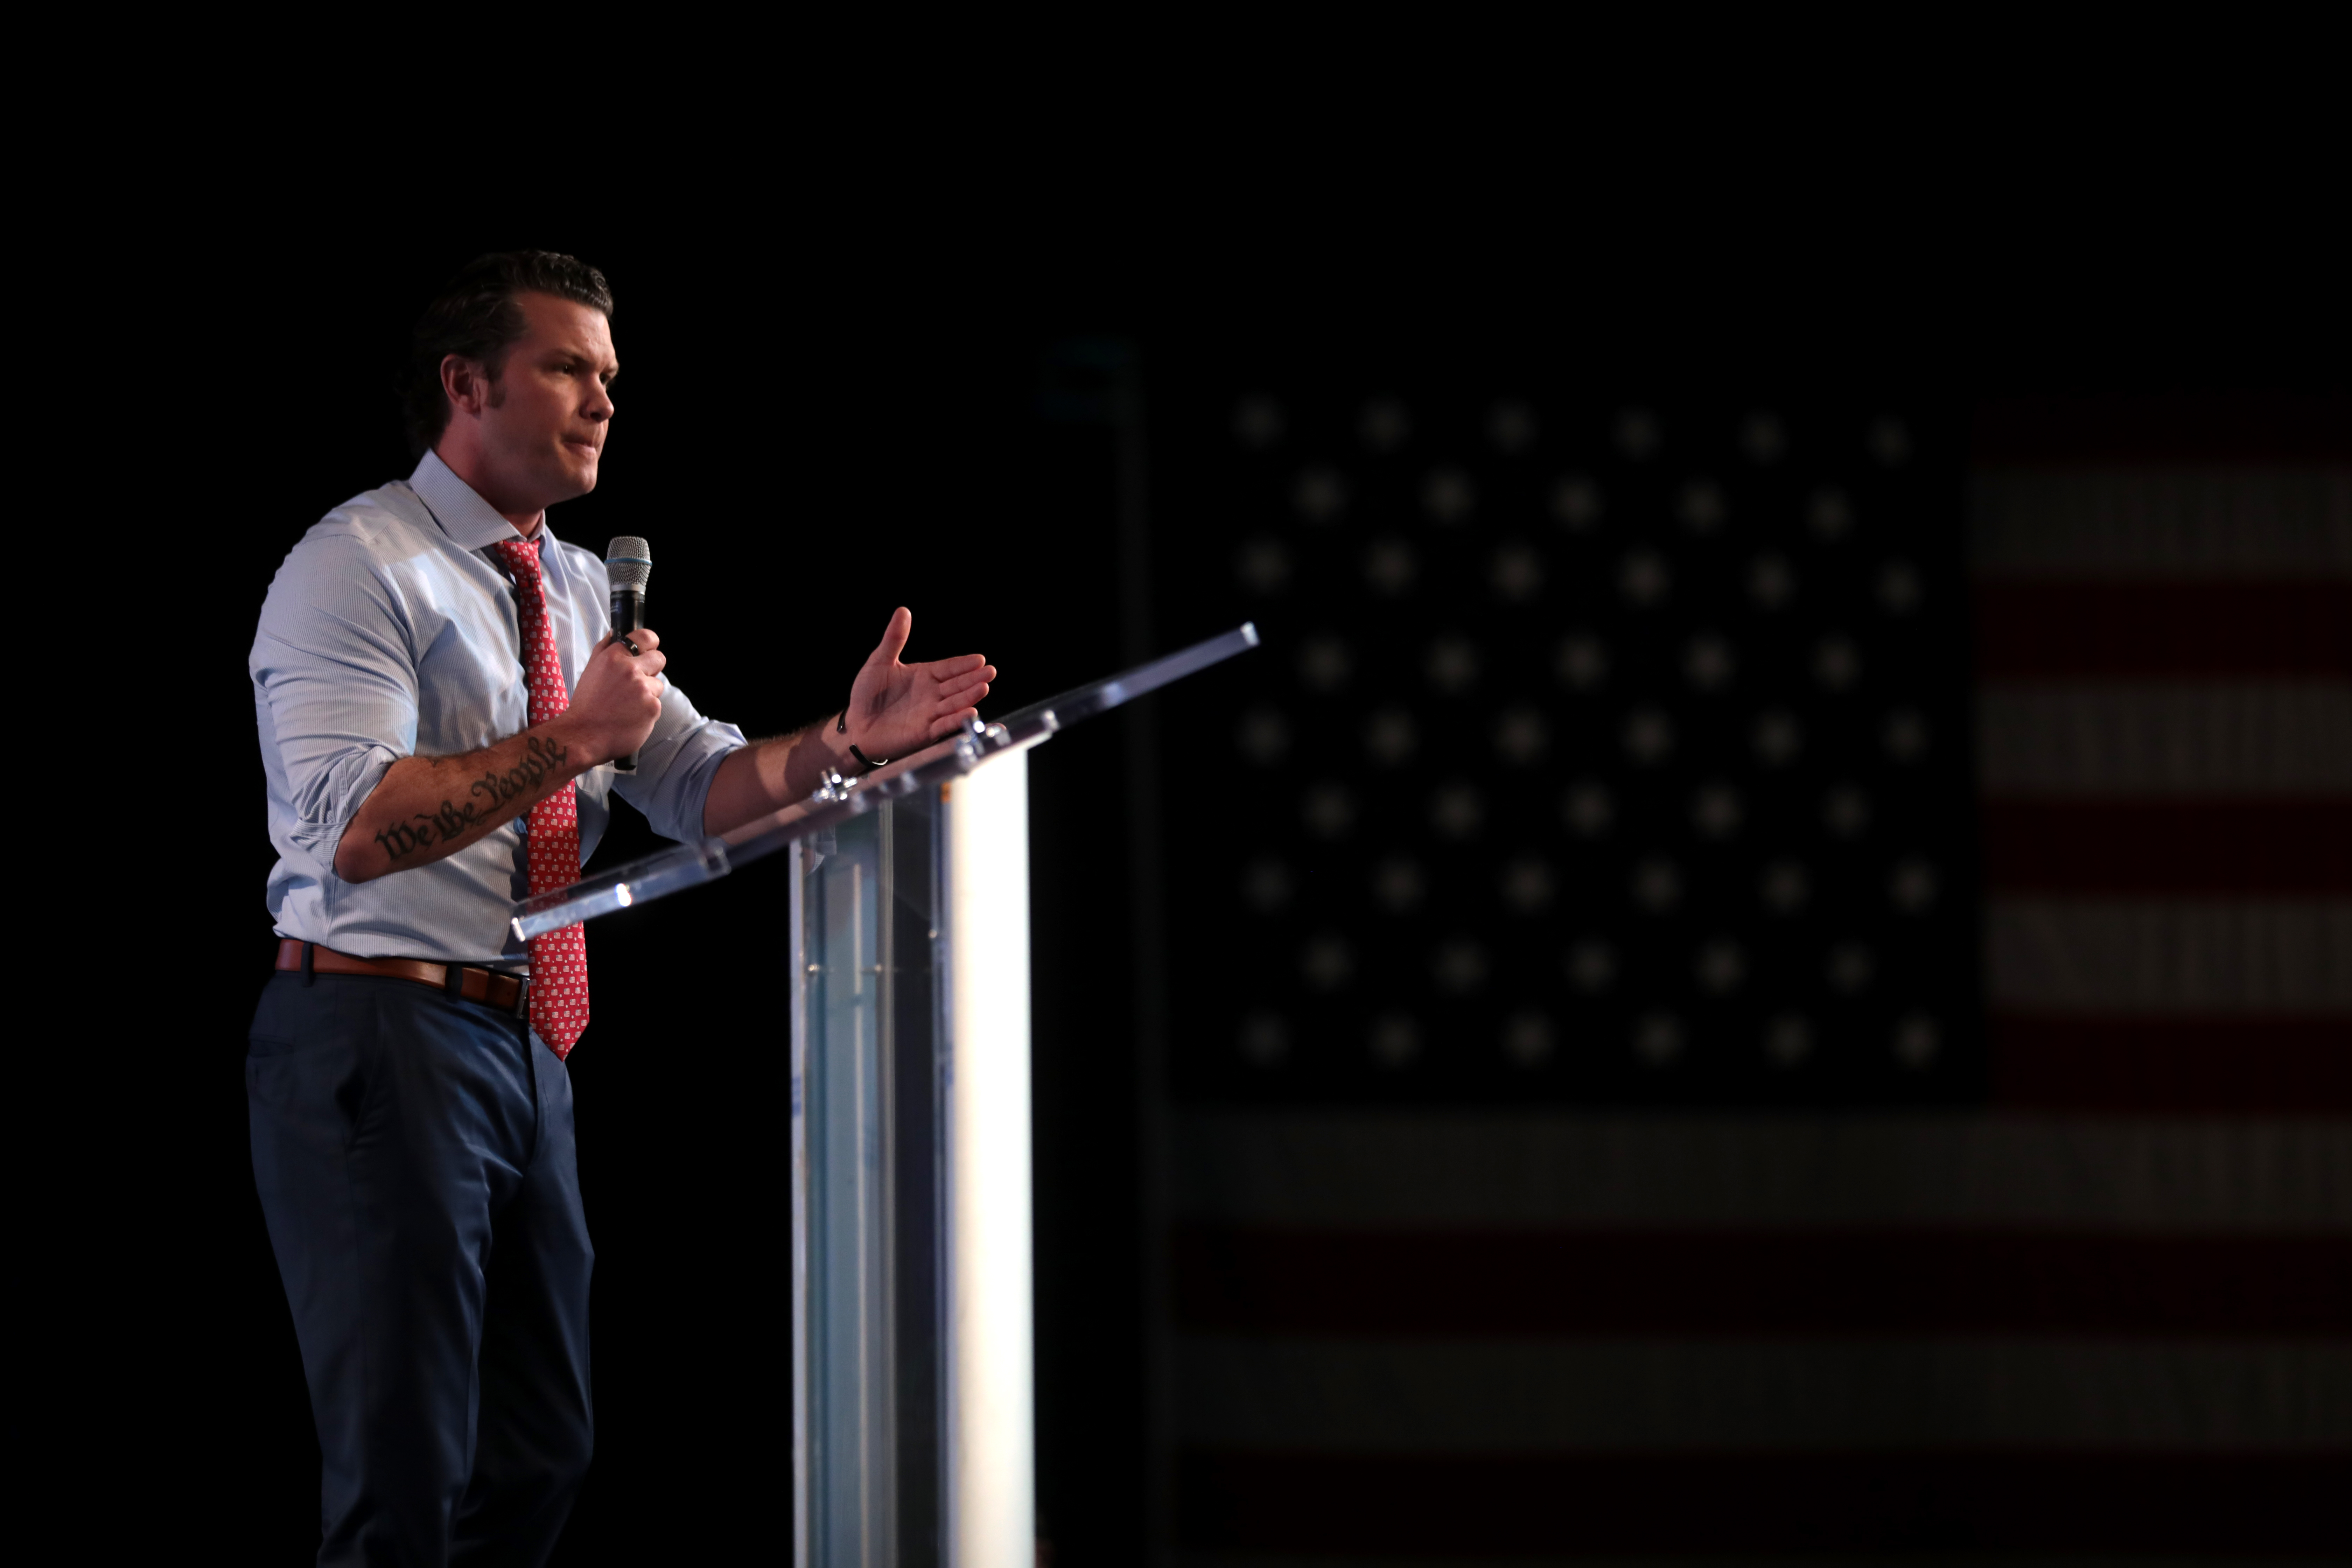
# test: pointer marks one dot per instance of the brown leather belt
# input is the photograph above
(507, 993)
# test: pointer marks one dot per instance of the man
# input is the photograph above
(439, 712)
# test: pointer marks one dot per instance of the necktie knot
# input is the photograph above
(521, 558)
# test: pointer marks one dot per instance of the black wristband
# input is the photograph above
(841, 726)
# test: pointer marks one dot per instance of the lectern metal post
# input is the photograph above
(913, 1427)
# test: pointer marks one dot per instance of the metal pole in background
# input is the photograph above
(1146, 918)
(1098, 381)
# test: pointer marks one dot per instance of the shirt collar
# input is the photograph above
(469, 521)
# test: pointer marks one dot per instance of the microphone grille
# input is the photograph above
(628, 564)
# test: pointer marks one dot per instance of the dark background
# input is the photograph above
(830, 405)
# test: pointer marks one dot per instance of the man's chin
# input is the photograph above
(577, 479)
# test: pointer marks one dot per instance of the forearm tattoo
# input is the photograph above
(455, 818)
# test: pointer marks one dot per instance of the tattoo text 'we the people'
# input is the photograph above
(455, 818)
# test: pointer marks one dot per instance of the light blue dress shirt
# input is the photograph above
(390, 632)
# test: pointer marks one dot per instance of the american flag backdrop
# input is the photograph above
(1757, 981)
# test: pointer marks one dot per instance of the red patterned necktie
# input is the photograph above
(559, 961)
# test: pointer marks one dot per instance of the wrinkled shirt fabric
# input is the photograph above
(391, 631)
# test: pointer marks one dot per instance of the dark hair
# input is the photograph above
(477, 316)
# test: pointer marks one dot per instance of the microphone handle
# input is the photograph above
(628, 614)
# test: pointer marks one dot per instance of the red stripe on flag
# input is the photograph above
(1456, 1506)
(1756, 1282)
(2168, 846)
(2174, 629)
(2158, 432)
(2208, 1066)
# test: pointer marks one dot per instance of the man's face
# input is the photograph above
(545, 420)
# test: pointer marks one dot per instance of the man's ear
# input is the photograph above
(464, 383)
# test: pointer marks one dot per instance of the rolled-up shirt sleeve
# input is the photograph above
(675, 767)
(335, 687)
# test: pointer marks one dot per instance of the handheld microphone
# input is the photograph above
(628, 566)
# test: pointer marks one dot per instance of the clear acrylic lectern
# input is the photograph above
(908, 964)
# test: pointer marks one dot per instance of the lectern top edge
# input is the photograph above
(690, 865)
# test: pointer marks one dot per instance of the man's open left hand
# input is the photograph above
(896, 708)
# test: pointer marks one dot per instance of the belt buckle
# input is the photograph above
(522, 999)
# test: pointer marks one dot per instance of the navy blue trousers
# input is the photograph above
(414, 1157)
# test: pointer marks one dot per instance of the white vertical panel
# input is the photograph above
(990, 1486)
